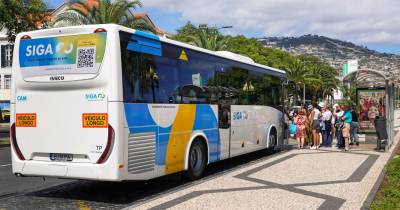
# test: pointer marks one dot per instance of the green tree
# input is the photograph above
(17, 16)
(185, 32)
(296, 71)
(204, 37)
(318, 76)
(103, 11)
(208, 38)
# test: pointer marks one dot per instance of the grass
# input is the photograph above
(388, 196)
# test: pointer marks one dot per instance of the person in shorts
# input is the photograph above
(314, 124)
(347, 118)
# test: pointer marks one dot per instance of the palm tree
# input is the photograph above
(83, 12)
(208, 38)
(297, 72)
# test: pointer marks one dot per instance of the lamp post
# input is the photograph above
(205, 26)
(223, 27)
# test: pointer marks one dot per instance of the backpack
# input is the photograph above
(292, 128)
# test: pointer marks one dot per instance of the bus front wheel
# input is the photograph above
(197, 161)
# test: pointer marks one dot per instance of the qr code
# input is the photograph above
(85, 57)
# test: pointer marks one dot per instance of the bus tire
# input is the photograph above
(197, 160)
(272, 138)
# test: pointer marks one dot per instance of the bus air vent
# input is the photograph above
(141, 152)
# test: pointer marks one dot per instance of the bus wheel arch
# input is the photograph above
(198, 144)
(196, 136)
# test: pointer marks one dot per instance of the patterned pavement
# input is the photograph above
(299, 179)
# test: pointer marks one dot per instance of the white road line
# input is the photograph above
(5, 165)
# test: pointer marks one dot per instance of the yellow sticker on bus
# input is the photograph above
(94, 120)
(25, 120)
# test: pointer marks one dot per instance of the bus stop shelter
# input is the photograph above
(368, 78)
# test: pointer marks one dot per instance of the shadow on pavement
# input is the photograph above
(120, 194)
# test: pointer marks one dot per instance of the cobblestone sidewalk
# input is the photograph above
(299, 179)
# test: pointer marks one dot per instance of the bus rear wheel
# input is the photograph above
(272, 141)
(197, 161)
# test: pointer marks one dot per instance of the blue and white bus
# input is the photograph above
(106, 102)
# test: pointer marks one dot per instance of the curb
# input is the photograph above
(371, 195)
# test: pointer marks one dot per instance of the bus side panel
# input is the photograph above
(162, 131)
(250, 127)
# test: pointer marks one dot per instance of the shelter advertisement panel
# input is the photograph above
(371, 103)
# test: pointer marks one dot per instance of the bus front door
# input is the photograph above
(224, 124)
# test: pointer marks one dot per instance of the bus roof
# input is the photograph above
(222, 54)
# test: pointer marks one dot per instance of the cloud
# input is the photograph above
(360, 21)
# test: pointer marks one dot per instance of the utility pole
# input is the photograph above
(304, 94)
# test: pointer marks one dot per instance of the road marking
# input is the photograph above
(82, 205)
(4, 166)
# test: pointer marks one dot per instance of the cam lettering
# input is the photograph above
(21, 98)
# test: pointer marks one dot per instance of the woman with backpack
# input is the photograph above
(300, 120)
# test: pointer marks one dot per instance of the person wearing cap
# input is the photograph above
(314, 124)
(326, 120)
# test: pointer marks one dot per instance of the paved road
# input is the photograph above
(12, 185)
(34, 193)
(294, 179)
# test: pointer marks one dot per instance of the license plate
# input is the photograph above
(61, 157)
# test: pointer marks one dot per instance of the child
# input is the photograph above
(300, 121)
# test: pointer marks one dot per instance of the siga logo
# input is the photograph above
(95, 96)
(41, 49)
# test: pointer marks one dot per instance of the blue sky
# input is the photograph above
(369, 23)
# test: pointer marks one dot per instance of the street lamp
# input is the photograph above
(205, 26)
(223, 27)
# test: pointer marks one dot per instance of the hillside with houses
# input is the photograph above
(335, 52)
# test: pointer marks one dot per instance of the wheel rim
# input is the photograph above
(196, 158)
(272, 139)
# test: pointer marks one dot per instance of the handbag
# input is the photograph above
(339, 125)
